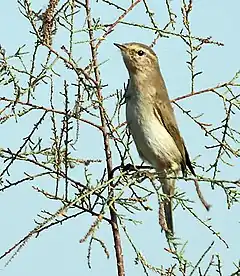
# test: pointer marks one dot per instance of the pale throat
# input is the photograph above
(139, 78)
(141, 82)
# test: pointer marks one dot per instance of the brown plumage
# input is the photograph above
(151, 120)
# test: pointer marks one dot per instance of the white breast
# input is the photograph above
(154, 144)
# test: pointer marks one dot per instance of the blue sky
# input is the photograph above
(58, 251)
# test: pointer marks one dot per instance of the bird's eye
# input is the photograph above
(140, 53)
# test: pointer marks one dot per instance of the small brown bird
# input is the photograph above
(151, 120)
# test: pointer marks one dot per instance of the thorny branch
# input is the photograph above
(60, 97)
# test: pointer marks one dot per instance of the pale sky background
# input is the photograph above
(57, 251)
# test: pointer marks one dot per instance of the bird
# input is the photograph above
(151, 121)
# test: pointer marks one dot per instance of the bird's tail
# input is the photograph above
(168, 186)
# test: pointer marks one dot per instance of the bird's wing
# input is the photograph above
(165, 113)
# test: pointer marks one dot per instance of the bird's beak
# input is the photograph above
(122, 47)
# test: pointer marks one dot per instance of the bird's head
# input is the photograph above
(138, 58)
